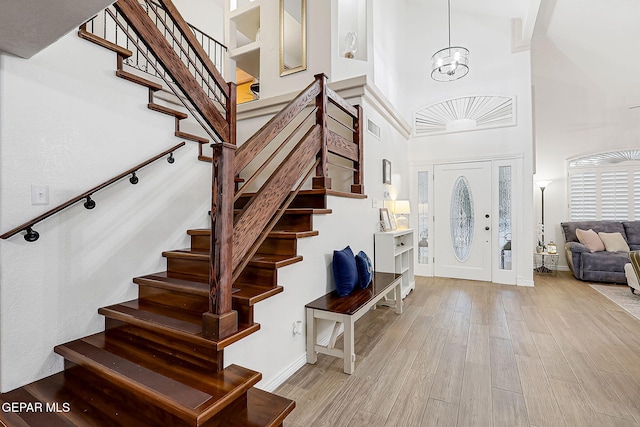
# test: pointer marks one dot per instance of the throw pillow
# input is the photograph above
(614, 242)
(365, 269)
(590, 239)
(345, 272)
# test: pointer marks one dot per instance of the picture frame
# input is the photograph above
(386, 171)
(386, 220)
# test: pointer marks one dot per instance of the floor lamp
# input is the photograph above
(542, 185)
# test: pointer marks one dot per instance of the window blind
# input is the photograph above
(614, 195)
(582, 195)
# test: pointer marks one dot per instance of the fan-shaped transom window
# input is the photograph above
(465, 113)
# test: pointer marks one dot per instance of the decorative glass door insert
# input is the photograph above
(462, 219)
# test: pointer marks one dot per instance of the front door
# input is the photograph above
(462, 221)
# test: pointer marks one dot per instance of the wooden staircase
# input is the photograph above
(152, 366)
(160, 360)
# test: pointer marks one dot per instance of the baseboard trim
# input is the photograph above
(293, 368)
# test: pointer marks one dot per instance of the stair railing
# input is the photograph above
(173, 44)
(104, 26)
(31, 235)
(307, 135)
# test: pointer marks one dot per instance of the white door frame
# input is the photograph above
(498, 275)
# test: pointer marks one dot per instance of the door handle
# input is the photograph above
(486, 228)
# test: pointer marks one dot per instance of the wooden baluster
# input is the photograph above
(221, 321)
(358, 138)
(322, 180)
(231, 112)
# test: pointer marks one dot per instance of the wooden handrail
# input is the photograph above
(186, 32)
(27, 226)
(144, 26)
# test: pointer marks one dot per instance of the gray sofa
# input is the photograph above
(599, 266)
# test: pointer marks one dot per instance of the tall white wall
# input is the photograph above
(67, 122)
(207, 15)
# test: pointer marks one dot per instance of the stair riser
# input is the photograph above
(200, 242)
(269, 246)
(206, 358)
(294, 223)
(259, 276)
(315, 201)
(193, 303)
(245, 313)
(279, 247)
(191, 267)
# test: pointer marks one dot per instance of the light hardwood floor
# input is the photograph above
(468, 353)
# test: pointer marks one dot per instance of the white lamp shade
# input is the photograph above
(403, 207)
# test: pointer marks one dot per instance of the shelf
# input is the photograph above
(394, 253)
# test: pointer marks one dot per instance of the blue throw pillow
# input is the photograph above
(345, 272)
(365, 269)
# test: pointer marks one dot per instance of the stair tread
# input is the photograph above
(258, 260)
(300, 211)
(126, 53)
(263, 409)
(322, 191)
(166, 110)
(191, 137)
(245, 293)
(273, 234)
(138, 80)
(248, 294)
(184, 392)
(274, 261)
(171, 321)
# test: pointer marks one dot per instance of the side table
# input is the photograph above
(545, 263)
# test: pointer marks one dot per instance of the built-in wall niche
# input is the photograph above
(352, 29)
(244, 47)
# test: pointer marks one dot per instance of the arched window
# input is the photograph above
(605, 186)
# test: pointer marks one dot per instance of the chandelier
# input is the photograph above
(452, 62)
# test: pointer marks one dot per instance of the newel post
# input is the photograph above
(358, 138)
(221, 321)
(322, 180)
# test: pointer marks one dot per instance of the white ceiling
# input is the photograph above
(28, 26)
(600, 37)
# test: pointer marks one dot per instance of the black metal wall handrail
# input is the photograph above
(32, 235)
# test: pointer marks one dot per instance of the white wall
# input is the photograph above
(207, 15)
(67, 122)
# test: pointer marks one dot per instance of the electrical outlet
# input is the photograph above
(297, 327)
(39, 194)
(374, 203)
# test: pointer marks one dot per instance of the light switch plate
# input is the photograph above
(39, 194)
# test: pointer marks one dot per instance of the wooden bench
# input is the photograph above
(347, 310)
